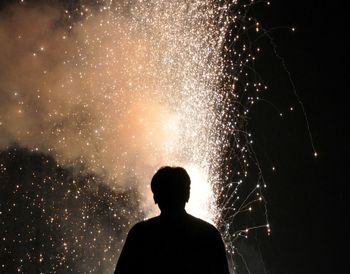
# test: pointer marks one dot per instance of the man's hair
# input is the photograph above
(171, 186)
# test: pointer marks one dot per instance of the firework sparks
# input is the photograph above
(118, 89)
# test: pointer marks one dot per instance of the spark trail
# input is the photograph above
(118, 89)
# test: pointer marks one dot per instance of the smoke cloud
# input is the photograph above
(111, 90)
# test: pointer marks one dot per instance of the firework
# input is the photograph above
(112, 90)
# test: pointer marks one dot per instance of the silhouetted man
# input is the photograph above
(174, 241)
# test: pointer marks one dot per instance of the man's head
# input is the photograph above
(171, 188)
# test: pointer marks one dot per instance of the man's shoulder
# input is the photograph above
(193, 223)
(145, 224)
(202, 225)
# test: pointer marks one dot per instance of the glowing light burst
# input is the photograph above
(202, 200)
(120, 88)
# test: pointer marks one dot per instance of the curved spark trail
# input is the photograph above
(107, 92)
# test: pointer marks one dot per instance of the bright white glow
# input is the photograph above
(201, 203)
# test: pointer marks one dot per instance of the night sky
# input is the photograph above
(305, 195)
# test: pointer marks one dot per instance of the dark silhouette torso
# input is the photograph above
(168, 244)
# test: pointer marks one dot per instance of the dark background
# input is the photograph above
(306, 195)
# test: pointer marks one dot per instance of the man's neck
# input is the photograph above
(173, 213)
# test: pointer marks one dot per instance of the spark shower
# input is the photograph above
(109, 91)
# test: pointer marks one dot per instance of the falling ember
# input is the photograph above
(117, 89)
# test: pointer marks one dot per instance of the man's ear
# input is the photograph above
(187, 197)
